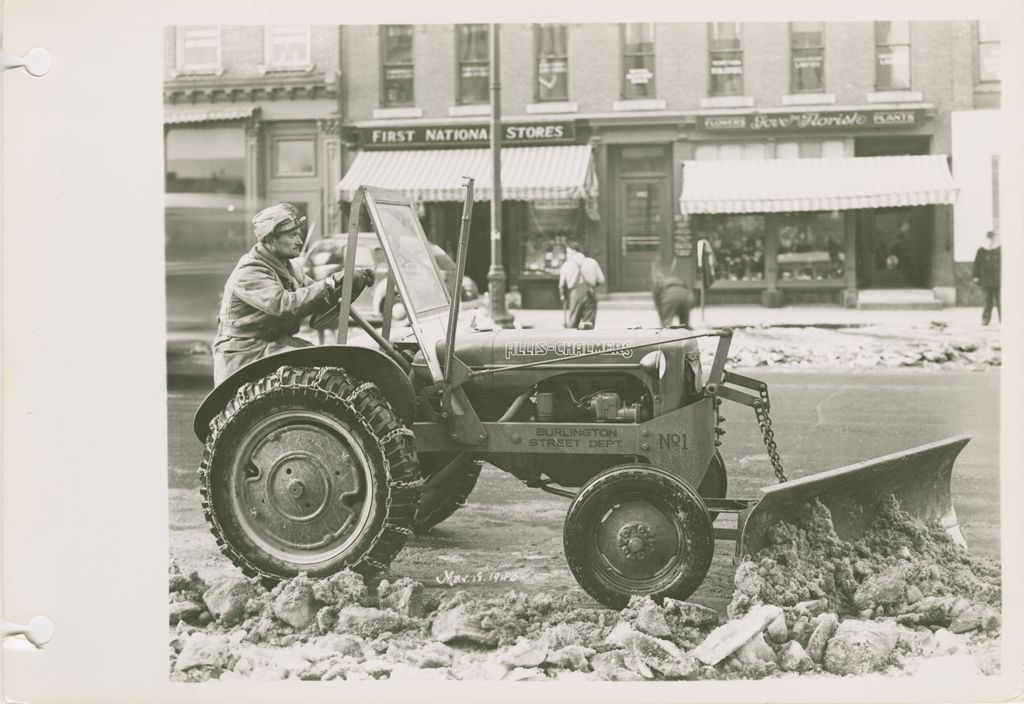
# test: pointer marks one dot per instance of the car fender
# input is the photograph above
(361, 362)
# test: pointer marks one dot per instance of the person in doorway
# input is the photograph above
(578, 280)
(267, 295)
(672, 297)
(986, 273)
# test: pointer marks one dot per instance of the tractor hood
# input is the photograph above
(505, 347)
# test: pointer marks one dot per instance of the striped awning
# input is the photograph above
(793, 185)
(527, 173)
(226, 114)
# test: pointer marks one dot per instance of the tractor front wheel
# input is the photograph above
(638, 530)
(309, 470)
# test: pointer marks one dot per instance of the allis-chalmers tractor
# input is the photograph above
(330, 457)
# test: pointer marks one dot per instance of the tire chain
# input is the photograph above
(762, 408)
(288, 378)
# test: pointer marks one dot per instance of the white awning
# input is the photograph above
(197, 115)
(527, 173)
(793, 185)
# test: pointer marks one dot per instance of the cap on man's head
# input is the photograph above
(277, 220)
(990, 234)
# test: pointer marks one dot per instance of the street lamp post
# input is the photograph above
(496, 274)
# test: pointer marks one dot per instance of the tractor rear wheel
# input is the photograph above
(438, 503)
(638, 530)
(308, 470)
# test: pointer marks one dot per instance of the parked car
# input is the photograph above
(327, 256)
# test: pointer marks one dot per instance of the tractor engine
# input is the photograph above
(592, 398)
(575, 376)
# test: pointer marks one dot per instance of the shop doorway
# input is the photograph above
(644, 214)
(894, 247)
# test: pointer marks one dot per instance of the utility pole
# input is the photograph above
(496, 274)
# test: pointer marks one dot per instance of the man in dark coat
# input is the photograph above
(987, 263)
(672, 297)
(267, 295)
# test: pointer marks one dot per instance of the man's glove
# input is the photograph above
(362, 279)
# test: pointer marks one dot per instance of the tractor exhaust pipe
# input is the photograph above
(919, 478)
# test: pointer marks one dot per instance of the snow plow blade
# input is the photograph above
(919, 478)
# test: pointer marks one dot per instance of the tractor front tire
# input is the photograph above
(309, 470)
(638, 530)
(715, 484)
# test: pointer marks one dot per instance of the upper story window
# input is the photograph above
(725, 46)
(552, 41)
(638, 60)
(287, 46)
(199, 48)
(892, 55)
(472, 44)
(988, 51)
(807, 57)
(396, 65)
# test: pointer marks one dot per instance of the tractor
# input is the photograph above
(330, 457)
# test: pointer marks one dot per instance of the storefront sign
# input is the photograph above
(461, 135)
(843, 119)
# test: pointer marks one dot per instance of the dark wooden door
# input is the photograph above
(644, 216)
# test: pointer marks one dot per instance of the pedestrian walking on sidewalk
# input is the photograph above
(987, 263)
(267, 295)
(578, 280)
(672, 297)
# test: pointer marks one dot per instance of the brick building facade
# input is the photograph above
(613, 125)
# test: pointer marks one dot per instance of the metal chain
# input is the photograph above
(764, 421)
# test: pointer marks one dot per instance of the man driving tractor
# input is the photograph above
(267, 295)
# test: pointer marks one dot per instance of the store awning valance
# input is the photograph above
(192, 116)
(794, 185)
(527, 173)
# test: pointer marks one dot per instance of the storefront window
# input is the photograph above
(892, 55)
(638, 60)
(738, 243)
(550, 224)
(726, 58)
(205, 184)
(552, 62)
(397, 71)
(807, 56)
(810, 246)
(474, 63)
(295, 157)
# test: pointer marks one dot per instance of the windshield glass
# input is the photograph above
(412, 256)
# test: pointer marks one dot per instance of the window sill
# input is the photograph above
(552, 107)
(728, 101)
(189, 72)
(469, 110)
(809, 99)
(296, 69)
(810, 283)
(896, 96)
(396, 113)
(643, 104)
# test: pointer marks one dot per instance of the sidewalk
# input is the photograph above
(188, 352)
(619, 316)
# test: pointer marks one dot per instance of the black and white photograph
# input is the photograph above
(570, 353)
(456, 314)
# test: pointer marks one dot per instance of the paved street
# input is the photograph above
(824, 419)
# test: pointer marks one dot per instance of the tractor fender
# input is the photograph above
(361, 362)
